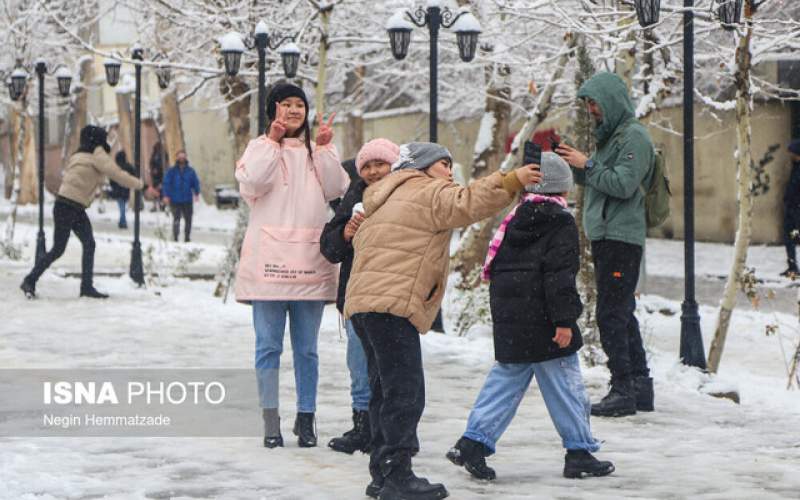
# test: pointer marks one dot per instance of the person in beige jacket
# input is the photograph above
(396, 288)
(86, 170)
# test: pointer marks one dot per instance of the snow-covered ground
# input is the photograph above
(693, 446)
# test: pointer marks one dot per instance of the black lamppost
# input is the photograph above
(233, 47)
(692, 352)
(136, 271)
(465, 25)
(19, 79)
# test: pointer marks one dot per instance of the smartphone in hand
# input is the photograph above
(532, 153)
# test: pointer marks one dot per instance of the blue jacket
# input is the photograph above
(179, 185)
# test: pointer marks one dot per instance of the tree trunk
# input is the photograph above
(173, 125)
(125, 127)
(18, 134)
(322, 71)
(474, 242)
(584, 141)
(239, 117)
(745, 195)
(486, 160)
(29, 178)
(78, 111)
(354, 124)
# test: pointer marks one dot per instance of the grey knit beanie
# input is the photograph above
(556, 176)
(420, 155)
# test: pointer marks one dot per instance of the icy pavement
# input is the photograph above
(692, 446)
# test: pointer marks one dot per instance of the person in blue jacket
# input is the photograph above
(181, 189)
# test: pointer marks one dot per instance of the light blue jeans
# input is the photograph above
(269, 319)
(357, 365)
(562, 389)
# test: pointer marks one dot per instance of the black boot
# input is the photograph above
(472, 455)
(620, 400)
(401, 483)
(357, 438)
(272, 428)
(273, 441)
(644, 393)
(376, 484)
(579, 463)
(28, 287)
(92, 293)
(304, 430)
(790, 272)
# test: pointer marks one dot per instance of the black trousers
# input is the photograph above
(182, 210)
(69, 217)
(397, 382)
(791, 234)
(616, 268)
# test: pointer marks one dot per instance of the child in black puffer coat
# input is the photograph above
(532, 264)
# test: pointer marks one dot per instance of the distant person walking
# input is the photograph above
(181, 189)
(791, 210)
(84, 173)
(120, 192)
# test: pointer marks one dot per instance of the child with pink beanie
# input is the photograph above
(373, 163)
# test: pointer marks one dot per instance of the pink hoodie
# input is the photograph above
(287, 193)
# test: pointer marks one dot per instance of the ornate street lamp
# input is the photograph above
(233, 47)
(112, 71)
(64, 79)
(163, 74)
(19, 78)
(434, 17)
(730, 13)
(692, 352)
(647, 11)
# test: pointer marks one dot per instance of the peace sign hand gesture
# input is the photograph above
(277, 128)
(324, 130)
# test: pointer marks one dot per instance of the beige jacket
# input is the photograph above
(85, 172)
(402, 249)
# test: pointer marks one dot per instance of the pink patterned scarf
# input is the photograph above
(494, 246)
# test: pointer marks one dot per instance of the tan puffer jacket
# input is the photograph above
(85, 172)
(402, 249)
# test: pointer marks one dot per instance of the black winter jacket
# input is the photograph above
(791, 195)
(532, 287)
(332, 244)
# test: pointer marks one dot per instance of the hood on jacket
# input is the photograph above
(610, 93)
(92, 136)
(377, 194)
(534, 220)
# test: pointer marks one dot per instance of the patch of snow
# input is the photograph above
(63, 72)
(485, 133)
(467, 23)
(232, 42)
(398, 21)
(289, 48)
(261, 28)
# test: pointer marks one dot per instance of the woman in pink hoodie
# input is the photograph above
(287, 180)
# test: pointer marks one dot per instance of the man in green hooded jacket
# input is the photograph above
(615, 180)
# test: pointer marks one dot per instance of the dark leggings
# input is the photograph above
(69, 216)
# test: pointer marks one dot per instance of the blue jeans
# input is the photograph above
(269, 319)
(357, 365)
(562, 389)
(121, 203)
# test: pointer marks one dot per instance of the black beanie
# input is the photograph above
(283, 91)
(91, 137)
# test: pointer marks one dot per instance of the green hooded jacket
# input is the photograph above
(613, 206)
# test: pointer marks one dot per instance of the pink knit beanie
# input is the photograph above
(377, 149)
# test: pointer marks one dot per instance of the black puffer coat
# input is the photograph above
(532, 286)
(332, 244)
